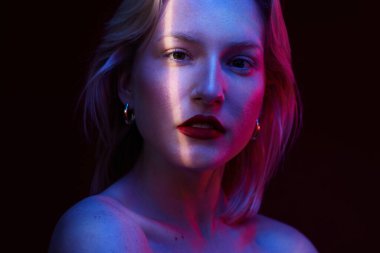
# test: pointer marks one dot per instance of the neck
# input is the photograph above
(181, 197)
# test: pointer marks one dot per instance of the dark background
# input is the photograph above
(327, 187)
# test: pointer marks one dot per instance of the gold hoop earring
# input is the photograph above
(129, 116)
(257, 130)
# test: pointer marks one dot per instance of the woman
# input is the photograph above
(209, 104)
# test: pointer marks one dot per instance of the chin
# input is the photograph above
(203, 162)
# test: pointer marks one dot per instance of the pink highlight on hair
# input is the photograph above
(280, 118)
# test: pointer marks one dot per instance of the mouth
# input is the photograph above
(202, 127)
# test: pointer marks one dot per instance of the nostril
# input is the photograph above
(207, 97)
(217, 100)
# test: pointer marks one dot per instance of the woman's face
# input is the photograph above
(198, 84)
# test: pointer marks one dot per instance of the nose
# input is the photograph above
(210, 86)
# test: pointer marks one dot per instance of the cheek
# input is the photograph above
(157, 101)
(151, 101)
(163, 90)
(246, 111)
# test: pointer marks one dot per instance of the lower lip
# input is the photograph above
(200, 133)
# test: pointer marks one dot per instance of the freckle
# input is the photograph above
(176, 238)
(182, 237)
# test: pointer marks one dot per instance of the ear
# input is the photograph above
(124, 90)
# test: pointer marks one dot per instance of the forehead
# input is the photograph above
(219, 20)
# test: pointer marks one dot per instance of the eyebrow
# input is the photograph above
(192, 40)
(181, 36)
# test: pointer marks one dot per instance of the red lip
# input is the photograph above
(208, 127)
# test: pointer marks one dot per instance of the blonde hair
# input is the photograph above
(246, 174)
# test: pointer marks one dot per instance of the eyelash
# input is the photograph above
(246, 70)
(170, 54)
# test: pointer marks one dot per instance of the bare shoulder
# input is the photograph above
(275, 236)
(97, 224)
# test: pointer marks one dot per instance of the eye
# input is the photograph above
(178, 55)
(242, 65)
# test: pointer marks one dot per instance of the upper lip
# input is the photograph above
(204, 119)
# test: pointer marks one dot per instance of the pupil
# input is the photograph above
(239, 63)
(178, 55)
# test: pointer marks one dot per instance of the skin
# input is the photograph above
(210, 73)
(197, 62)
